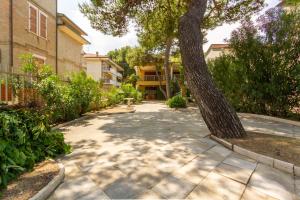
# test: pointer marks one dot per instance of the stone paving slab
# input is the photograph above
(217, 187)
(173, 188)
(75, 188)
(155, 154)
(235, 173)
(272, 182)
(252, 194)
(96, 194)
(241, 163)
(123, 188)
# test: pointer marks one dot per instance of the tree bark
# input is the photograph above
(166, 66)
(160, 82)
(218, 115)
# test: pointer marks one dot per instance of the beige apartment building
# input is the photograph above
(216, 50)
(103, 68)
(34, 26)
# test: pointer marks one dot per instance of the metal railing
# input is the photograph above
(153, 78)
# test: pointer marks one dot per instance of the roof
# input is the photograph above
(67, 26)
(103, 58)
(216, 46)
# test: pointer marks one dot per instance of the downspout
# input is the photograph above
(56, 48)
(11, 52)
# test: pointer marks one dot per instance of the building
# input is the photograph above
(70, 44)
(149, 82)
(35, 27)
(216, 50)
(103, 68)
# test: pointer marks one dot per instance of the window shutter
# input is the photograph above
(33, 19)
(43, 25)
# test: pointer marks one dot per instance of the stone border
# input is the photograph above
(44, 193)
(87, 116)
(275, 163)
(276, 119)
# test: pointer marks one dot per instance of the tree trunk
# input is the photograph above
(218, 115)
(160, 82)
(166, 66)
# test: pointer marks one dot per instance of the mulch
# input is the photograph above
(30, 183)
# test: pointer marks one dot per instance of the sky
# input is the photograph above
(105, 43)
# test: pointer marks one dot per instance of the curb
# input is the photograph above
(287, 121)
(87, 116)
(272, 162)
(44, 193)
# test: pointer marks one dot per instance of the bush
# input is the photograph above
(64, 100)
(177, 102)
(128, 91)
(25, 139)
(262, 74)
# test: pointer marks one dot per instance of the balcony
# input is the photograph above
(153, 78)
(112, 71)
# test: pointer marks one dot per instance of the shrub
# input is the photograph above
(114, 96)
(177, 102)
(25, 139)
(64, 100)
(262, 74)
(129, 91)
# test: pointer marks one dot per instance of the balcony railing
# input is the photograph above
(112, 71)
(153, 78)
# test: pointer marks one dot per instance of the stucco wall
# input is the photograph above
(69, 54)
(4, 35)
(23, 40)
(94, 69)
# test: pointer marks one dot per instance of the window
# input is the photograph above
(33, 19)
(37, 21)
(43, 25)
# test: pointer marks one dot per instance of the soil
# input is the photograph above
(281, 148)
(30, 183)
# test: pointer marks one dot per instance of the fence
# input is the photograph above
(17, 89)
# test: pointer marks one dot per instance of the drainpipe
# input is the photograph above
(56, 35)
(11, 52)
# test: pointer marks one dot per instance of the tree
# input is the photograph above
(113, 18)
(119, 56)
(261, 75)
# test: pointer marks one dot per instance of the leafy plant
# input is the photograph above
(177, 102)
(25, 139)
(262, 73)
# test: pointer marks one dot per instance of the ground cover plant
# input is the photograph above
(25, 139)
(177, 102)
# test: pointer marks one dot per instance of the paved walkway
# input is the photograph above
(158, 153)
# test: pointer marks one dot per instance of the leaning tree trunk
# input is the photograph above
(160, 82)
(218, 115)
(166, 66)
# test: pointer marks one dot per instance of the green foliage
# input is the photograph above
(262, 74)
(114, 96)
(65, 100)
(119, 56)
(25, 139)
(130, 92)
(177, 102)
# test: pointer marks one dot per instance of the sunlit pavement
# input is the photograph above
(159, 153)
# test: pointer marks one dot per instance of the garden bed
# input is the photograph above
(281, 148)
(30, 183)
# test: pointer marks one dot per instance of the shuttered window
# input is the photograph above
(33, 18)
(43, 25)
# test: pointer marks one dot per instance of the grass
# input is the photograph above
(282, 148)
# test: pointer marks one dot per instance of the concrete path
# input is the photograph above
(159, 153)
